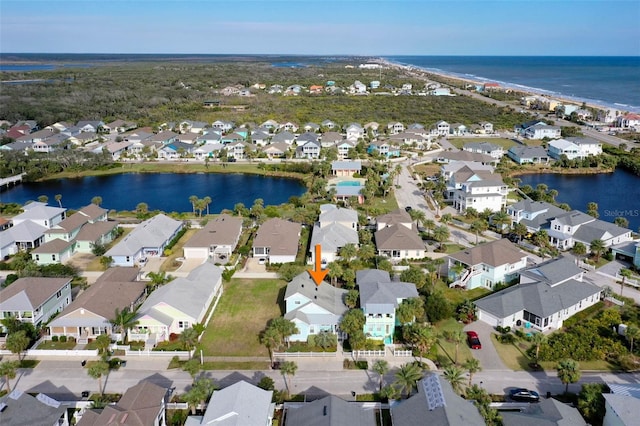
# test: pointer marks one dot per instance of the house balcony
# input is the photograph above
(466, 275)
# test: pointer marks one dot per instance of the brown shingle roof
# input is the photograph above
(54, 246)
(92, 211)
(396, 216)
(223, 230)
(494, 253)
(93, 231)
(279, 235)
(398, 237)
(116, 288)
(37, 289)
(74, 221)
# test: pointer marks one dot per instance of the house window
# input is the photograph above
(183, 324)
(59, 294)
(128, 259)
(37, 257)
(297, 302)
(53, 257)
(312, 329)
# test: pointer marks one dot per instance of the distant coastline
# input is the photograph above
(629, 76)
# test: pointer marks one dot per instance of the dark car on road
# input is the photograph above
(473, 340)
(524, 395)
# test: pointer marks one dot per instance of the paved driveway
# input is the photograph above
(488, 356)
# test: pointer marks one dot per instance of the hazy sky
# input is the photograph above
(382, 27)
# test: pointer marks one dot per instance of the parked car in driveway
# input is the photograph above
(473, 340)
(524, 395)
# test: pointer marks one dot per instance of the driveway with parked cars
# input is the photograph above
(488, 356)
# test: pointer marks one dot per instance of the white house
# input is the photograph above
(313, 308)
(217, 239)
(277, 241)
(547, 294)
(575, 226)
(541, 131)
(486, 264)
(178, 305)
(148, 239)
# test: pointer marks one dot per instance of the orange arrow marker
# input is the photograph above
(318, 274)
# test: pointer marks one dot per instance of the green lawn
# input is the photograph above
(447, 350)
(242, 313)
(50, 344)
(503, 142)
(457, 295)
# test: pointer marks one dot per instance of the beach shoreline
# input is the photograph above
(525, 91)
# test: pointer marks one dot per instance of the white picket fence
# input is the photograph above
(304, 354)
(366, 353)
(402, 353)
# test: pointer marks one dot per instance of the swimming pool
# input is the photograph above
(348, 183)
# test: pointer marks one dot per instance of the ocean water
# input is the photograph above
(613, 82)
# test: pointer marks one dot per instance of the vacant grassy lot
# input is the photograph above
(503, 142)
(242, 313)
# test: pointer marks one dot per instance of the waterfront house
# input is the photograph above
(335, 228)
(483, 194)
(8, 245)
(25, 235)
(310, 150)
(148, 239)
(627, 121)
(528, 154)
(276, 150)
(34, 300)
(260, 137)
(435, 403)
(398, 242)
(547, 294)
(588, 146)
(143, 404)
(486, 148)
(313, 308)
(535, 215)
(208, 150)
(175, 151)
(94, 234)
(21, 408)
(41, 214)
(89, 315)
(561, 147)
(575, 226)
(216, 240)
(379, 299)
(239, 150)
(345, 168)
(486, 265)
(172, 308)
(239, 404)
(277, 241)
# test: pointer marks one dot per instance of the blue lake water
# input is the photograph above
(162, 191)
(617, 194)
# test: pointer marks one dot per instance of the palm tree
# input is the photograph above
(98, 369)
(207, 200)
(189, 337)
(193, 200)
(351, 298)
(472, 366)
(17, 342)
(625, 274)
(501, 220)
(478, 226)
(597, 248)
(103, 342)
(288, 370)
(348, 251)
(538, 339)
(58, 198)
(8, 370)
(568, 372)
(97, 200)
(407, 377)
(446, 218)
(429, 225)
(157, 279)
(366, 252)
(579, 249)
(632, 333)
(441, 234)
(335, 272)
(418, 216)
(381, 367)
(457, 337)
(124, 320)
(271, 339)
(455, 377)
(43, 199)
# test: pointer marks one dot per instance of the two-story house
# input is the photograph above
(313, 308)
(486, 264)
(575, 226)
(277, 241)
(310, 150)
(379, 299)
(535, 215)
(336, 227)
(35, 300)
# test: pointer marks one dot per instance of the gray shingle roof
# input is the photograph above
(240, 404)
(378, 294)
(187, 295)
(548, 412)
(323, 295)
(455, 411)
(26, 231)
(333, 236)
(331, 411)
(24, 409)
(553, 272)
(153, 232)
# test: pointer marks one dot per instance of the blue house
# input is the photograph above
(383, 148)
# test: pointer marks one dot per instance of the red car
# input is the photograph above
(473, 340)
